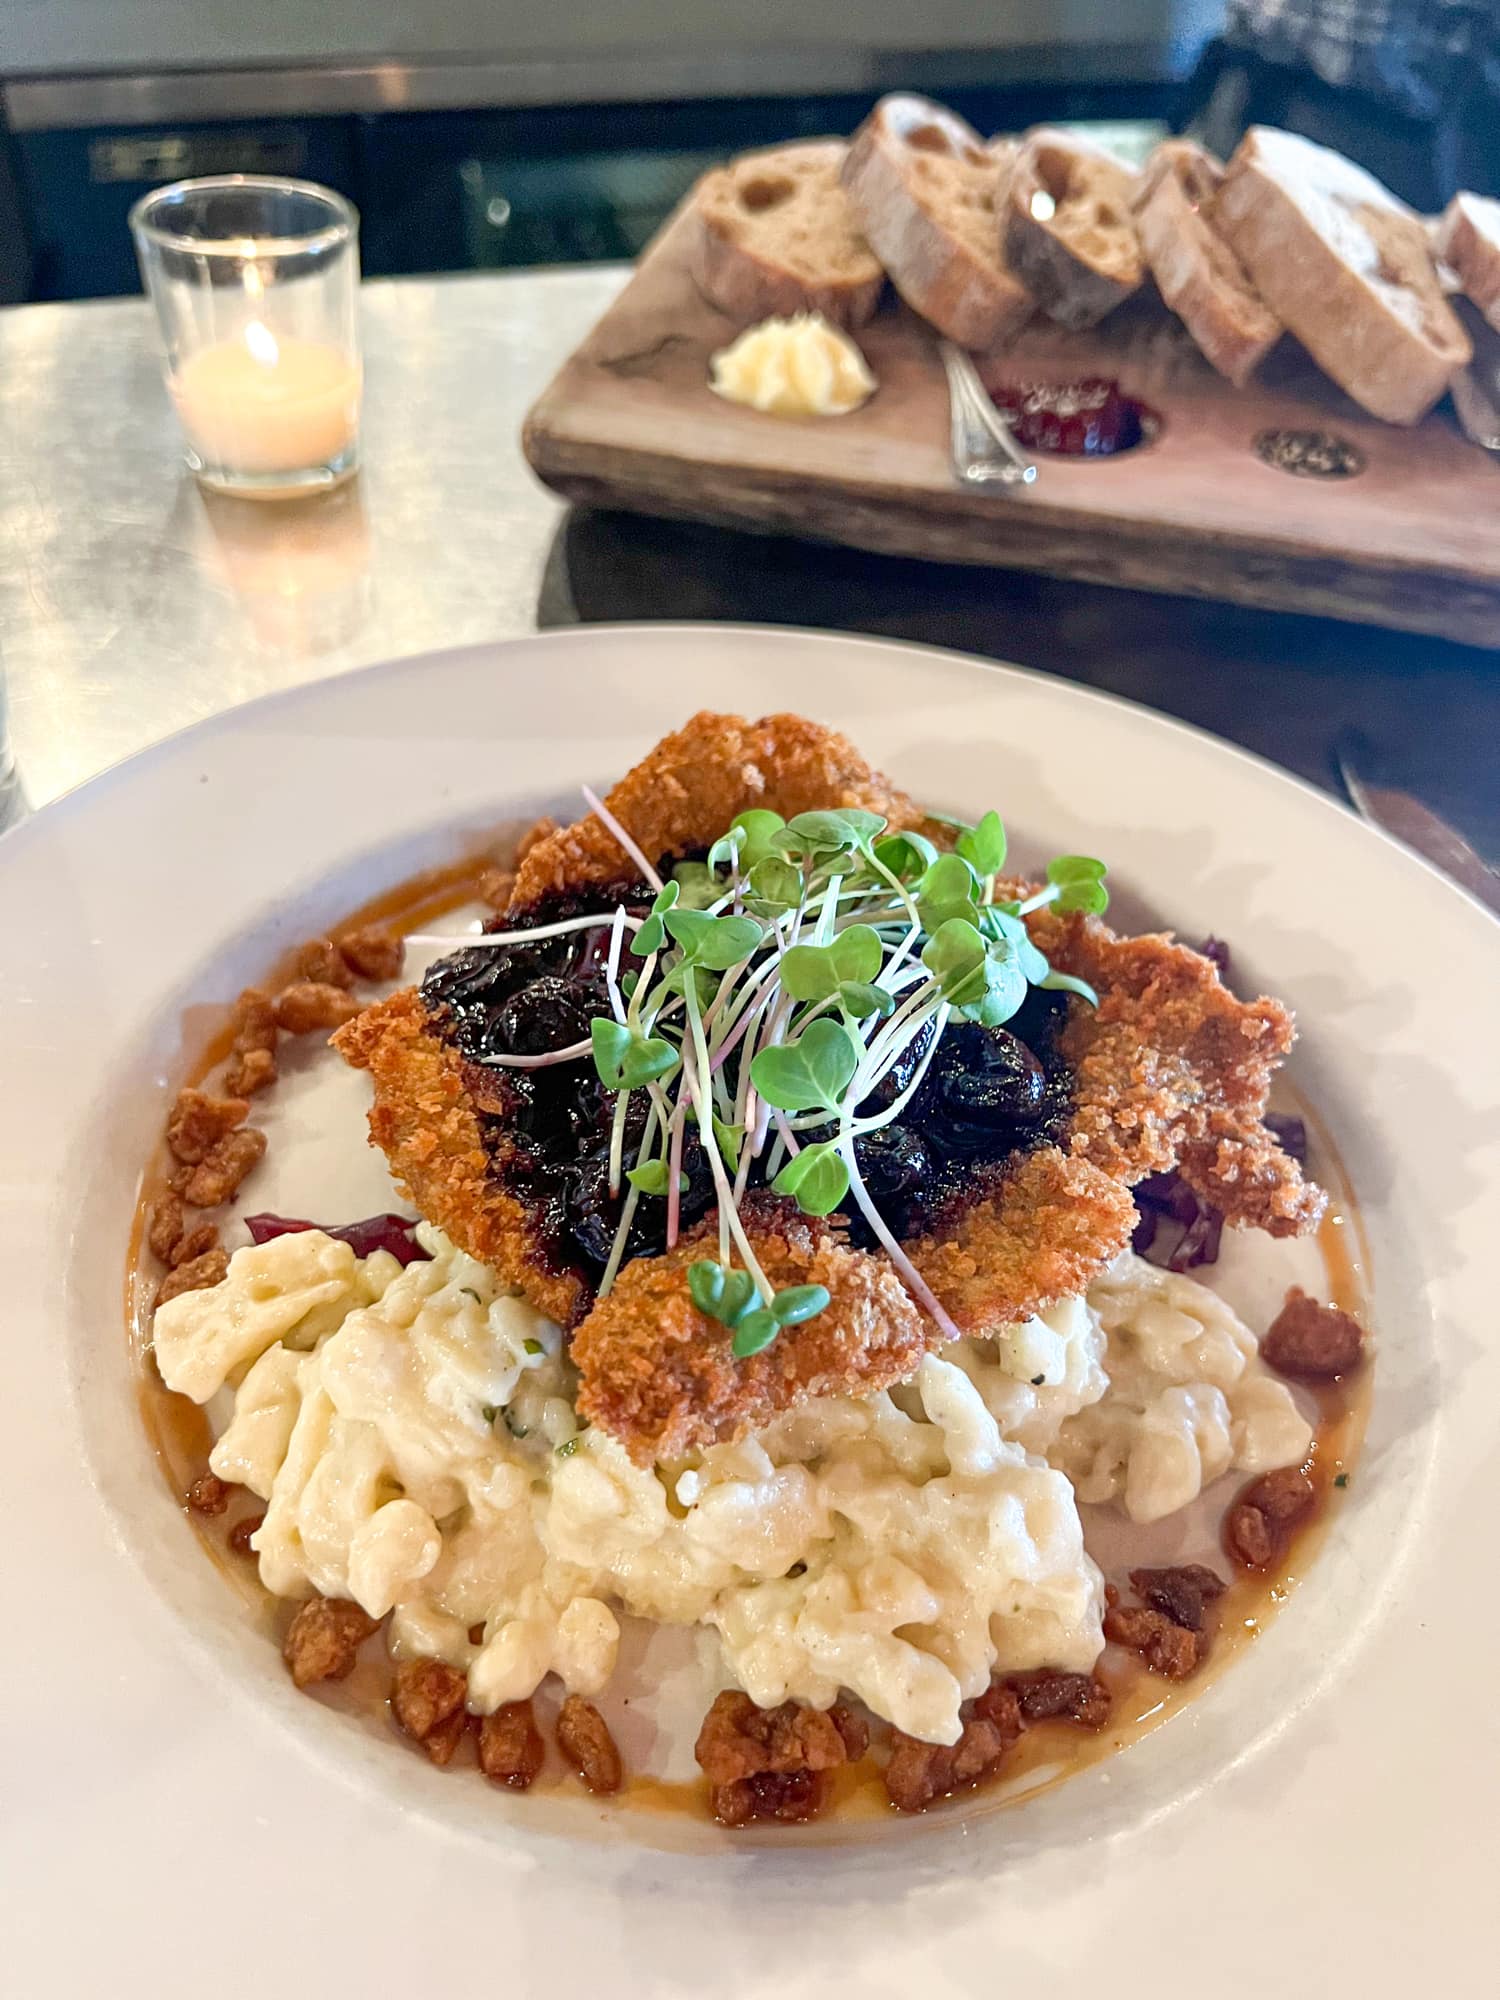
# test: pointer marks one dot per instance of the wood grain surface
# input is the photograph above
(1411, 542)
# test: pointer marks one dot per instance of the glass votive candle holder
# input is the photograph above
(255, 282)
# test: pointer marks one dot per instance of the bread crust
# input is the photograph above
(926, 191)
(1196, 272)
(1468, 237)
(1078, 258)
(740, 267)
(1346, 268)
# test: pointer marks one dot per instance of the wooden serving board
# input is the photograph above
(1412, 541)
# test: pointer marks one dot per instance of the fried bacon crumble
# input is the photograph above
(1169, 1070)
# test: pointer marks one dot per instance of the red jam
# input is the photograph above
(1090, 418)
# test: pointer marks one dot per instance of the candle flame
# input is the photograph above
(262, 344)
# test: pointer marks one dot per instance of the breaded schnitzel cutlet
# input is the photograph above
(1168, 1070)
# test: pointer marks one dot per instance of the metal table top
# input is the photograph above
(131, 603)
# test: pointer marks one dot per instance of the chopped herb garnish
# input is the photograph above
(533, 1347)
(1037, 1381)
(517, 1430)
(567, 1449)
(489, 1411)
(1342, 1479)
(777, 984)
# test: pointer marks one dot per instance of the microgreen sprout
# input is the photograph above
(772, 987)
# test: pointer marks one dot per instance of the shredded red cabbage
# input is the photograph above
(1292, 1133)
(396, 1233)
(1167, 1198)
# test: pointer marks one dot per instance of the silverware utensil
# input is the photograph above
(1414, 824)
(983, 449)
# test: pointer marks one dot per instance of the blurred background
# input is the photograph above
(479, 134)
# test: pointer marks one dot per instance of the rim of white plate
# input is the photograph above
(34, 833)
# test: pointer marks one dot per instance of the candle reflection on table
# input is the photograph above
(300, 573)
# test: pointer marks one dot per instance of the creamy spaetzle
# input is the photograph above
(413, 1435)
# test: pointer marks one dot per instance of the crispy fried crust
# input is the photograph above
(425, 1119)
(1171, 1069)
(659, 1374)
(683, 794)
(1048, 1230)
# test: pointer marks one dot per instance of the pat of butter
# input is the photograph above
(800, 367)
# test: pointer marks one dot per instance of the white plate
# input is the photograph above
(178, 1822)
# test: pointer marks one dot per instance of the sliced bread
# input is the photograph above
(1195, 270)
(1068, 229)
(925, 190)
(774, 236)
(1468, 238)
(1345, 266)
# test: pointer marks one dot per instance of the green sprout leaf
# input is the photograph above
(697, 885)
(809, 973)
(954, 953)
(1075, 868)
(860, 1000)
(775, 886)
(612, 1042)
(857, 953)
(817, 971)
(949, 889)
(626, 1060)
(810, 1074)
(817, 835)
(715, 943)
(1079, 879)
(758, 831)
(817, 1179)
(983, 846)
(998, 923)
(907, 855)
(724, 850)
(1064, 982)
(650, 936)
(980, 978)
(688, 973)
(1004, 989)
(729, 1139)
(654, 1177)
(725, 1295)
(755, 1331)
(798, 1303)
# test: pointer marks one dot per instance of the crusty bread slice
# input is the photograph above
(1195, 270)
(774, 236)
(1344, 265)
(1068, 229)
(926, 190)
(1468, 238)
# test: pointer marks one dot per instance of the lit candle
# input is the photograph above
(261, 404)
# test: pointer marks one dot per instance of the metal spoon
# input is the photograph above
(983, 450)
